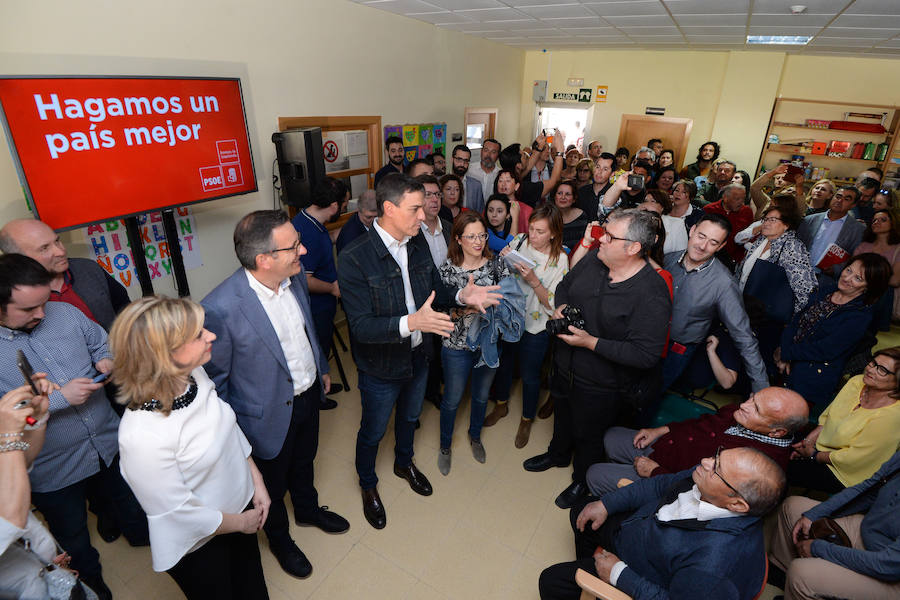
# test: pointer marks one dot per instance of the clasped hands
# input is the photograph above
(595, 513)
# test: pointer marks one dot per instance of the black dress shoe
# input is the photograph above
(326, 520)
(98, 586)
(373, 508)
(292, 559)
(572, 495)
(417, 481)
(107, 528)
(541, 462)
(327, 404)
(336, 388)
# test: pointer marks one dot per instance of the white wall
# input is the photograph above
(295, 58)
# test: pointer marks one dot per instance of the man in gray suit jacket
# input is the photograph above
(836, 226)
(265, 367)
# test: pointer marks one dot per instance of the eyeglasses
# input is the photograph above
(771, 219)
(433, 195)
(293, 248)
(716, 471)
(465, 160)
(475, 236)
(610, 237)
(880, 369)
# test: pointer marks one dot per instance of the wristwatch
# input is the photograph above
(812, 456)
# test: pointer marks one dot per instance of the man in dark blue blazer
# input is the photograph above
(359, 223)
(693, 534)
(267, 366)
(388, 283)
(837, 226)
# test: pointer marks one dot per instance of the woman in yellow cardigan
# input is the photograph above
(858, 431)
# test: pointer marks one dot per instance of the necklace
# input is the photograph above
(181, 401)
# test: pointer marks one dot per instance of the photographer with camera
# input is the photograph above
(617, 333)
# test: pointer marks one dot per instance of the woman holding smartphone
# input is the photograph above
(183, 454)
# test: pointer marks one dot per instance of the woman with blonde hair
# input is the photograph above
(183, 454)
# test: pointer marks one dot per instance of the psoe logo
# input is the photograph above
(212, 179)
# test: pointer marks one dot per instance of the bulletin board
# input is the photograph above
(419, 140)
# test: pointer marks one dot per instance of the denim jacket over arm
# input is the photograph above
(506, 320)
(373, 297)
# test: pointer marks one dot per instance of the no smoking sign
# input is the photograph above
(330, 150)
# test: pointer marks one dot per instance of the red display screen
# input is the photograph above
(93, 149)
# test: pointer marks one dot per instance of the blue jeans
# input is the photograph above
(378, 399)
(458, 364)
(529, 352)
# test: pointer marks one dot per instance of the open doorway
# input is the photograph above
(571, 121)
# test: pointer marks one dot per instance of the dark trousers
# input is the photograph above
(323, 321)
(529, 352)
(378, 398)
(292, 470)
(558, 581)
(227, 566)
(435, 369)
(674, 363)
(813, 475)
(66, 515)
(582, 414)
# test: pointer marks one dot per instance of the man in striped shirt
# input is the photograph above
(79, 459)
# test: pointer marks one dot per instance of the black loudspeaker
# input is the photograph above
(301, 163)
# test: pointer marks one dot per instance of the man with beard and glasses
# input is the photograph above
(487, 169)
(329, 200)
(394, 147)
(474, 199)
(80, 457)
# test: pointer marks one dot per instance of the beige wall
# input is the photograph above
(729, 95)
(295, 58)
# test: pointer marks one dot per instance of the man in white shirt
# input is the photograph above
(388, 282)
(693, 534)
(487, 169)
(265, 366)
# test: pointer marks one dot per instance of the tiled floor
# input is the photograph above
(486, 532)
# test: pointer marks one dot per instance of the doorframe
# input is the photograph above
(492, 120)
(682, 151)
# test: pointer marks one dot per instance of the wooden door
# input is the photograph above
(480, 124)
(637, 130)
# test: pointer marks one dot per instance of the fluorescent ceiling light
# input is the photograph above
(794, 40)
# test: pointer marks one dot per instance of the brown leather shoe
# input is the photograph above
(417, 481)
(373, 508)
(524, 433)
(500, 411)
(546, 410)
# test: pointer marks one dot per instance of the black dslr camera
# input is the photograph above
(571, 316)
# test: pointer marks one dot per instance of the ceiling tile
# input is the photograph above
(542, 32)
(471, 27)
(627, 8)
(492, 14)
(442, 18)
(858, 32)
(813, 7)
(706, 20)
(504, 39)
(732, 31)
(464, 4)
(889, 44)
(851, 42)
(518, 25)
(658, 39)
(784, 30)
(783, 20)
(557, 11)
(592, 21)
(403, 7)
(640, 21)
(715, 39)
(879, 21)
(873, 7)
(635, 31)
(601, 38)
(707, 7)
(591, 31)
